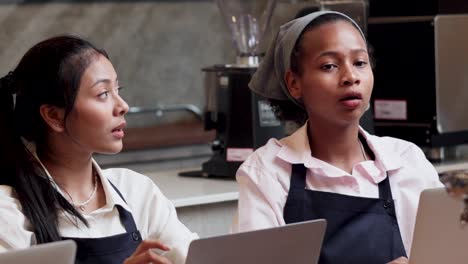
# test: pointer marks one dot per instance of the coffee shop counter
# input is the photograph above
(192, 191)
(447, 166)
(207, 205)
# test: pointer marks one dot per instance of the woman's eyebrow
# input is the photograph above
(336, 53)
(108, 81)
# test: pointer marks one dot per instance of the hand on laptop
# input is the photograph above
(145, 254)
(400, 260)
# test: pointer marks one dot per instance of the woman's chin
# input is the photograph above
(112, 149)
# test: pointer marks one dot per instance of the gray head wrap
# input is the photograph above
(268, 81)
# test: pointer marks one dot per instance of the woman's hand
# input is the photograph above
(400, 260)
(144, 253)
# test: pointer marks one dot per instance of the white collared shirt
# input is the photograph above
(264, 179)
(154, 215)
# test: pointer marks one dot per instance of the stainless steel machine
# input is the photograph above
(243, 120)
(421, 75)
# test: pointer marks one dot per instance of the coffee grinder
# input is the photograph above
(243, 120)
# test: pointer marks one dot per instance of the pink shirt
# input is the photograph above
(264, 179)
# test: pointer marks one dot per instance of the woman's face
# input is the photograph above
(336, 80)
(97, 120)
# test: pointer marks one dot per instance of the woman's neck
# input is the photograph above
(338, 146)
(70, 170)
(73, 172)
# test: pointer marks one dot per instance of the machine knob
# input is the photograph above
(217, 145)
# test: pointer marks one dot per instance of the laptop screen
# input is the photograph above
(298, 243)
(439, 236)
(61, 252)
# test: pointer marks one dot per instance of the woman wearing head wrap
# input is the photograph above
(366, 187)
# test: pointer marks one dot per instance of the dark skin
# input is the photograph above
(335, 85)
(335, 66)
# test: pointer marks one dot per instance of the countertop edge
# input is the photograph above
(233, 195)
(205, 199)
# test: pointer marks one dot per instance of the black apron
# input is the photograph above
(112, 249)
(359, 230)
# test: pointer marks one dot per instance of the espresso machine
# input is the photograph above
(421, 85)
(243, 121)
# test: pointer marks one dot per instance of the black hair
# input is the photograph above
(286, 109)
(49, 73)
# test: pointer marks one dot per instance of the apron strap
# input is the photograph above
(385, 191)
(384, 186)
(299, 172)
(117, 190)
(126, 217)
(298, 176)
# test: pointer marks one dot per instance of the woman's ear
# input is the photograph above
(53, 116)
(293, 84)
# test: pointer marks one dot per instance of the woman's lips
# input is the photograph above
(351, 100)
(118, 133)
(351, 103)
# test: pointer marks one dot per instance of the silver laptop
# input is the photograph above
(61, 252)
(438, 235)
(298, 243)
